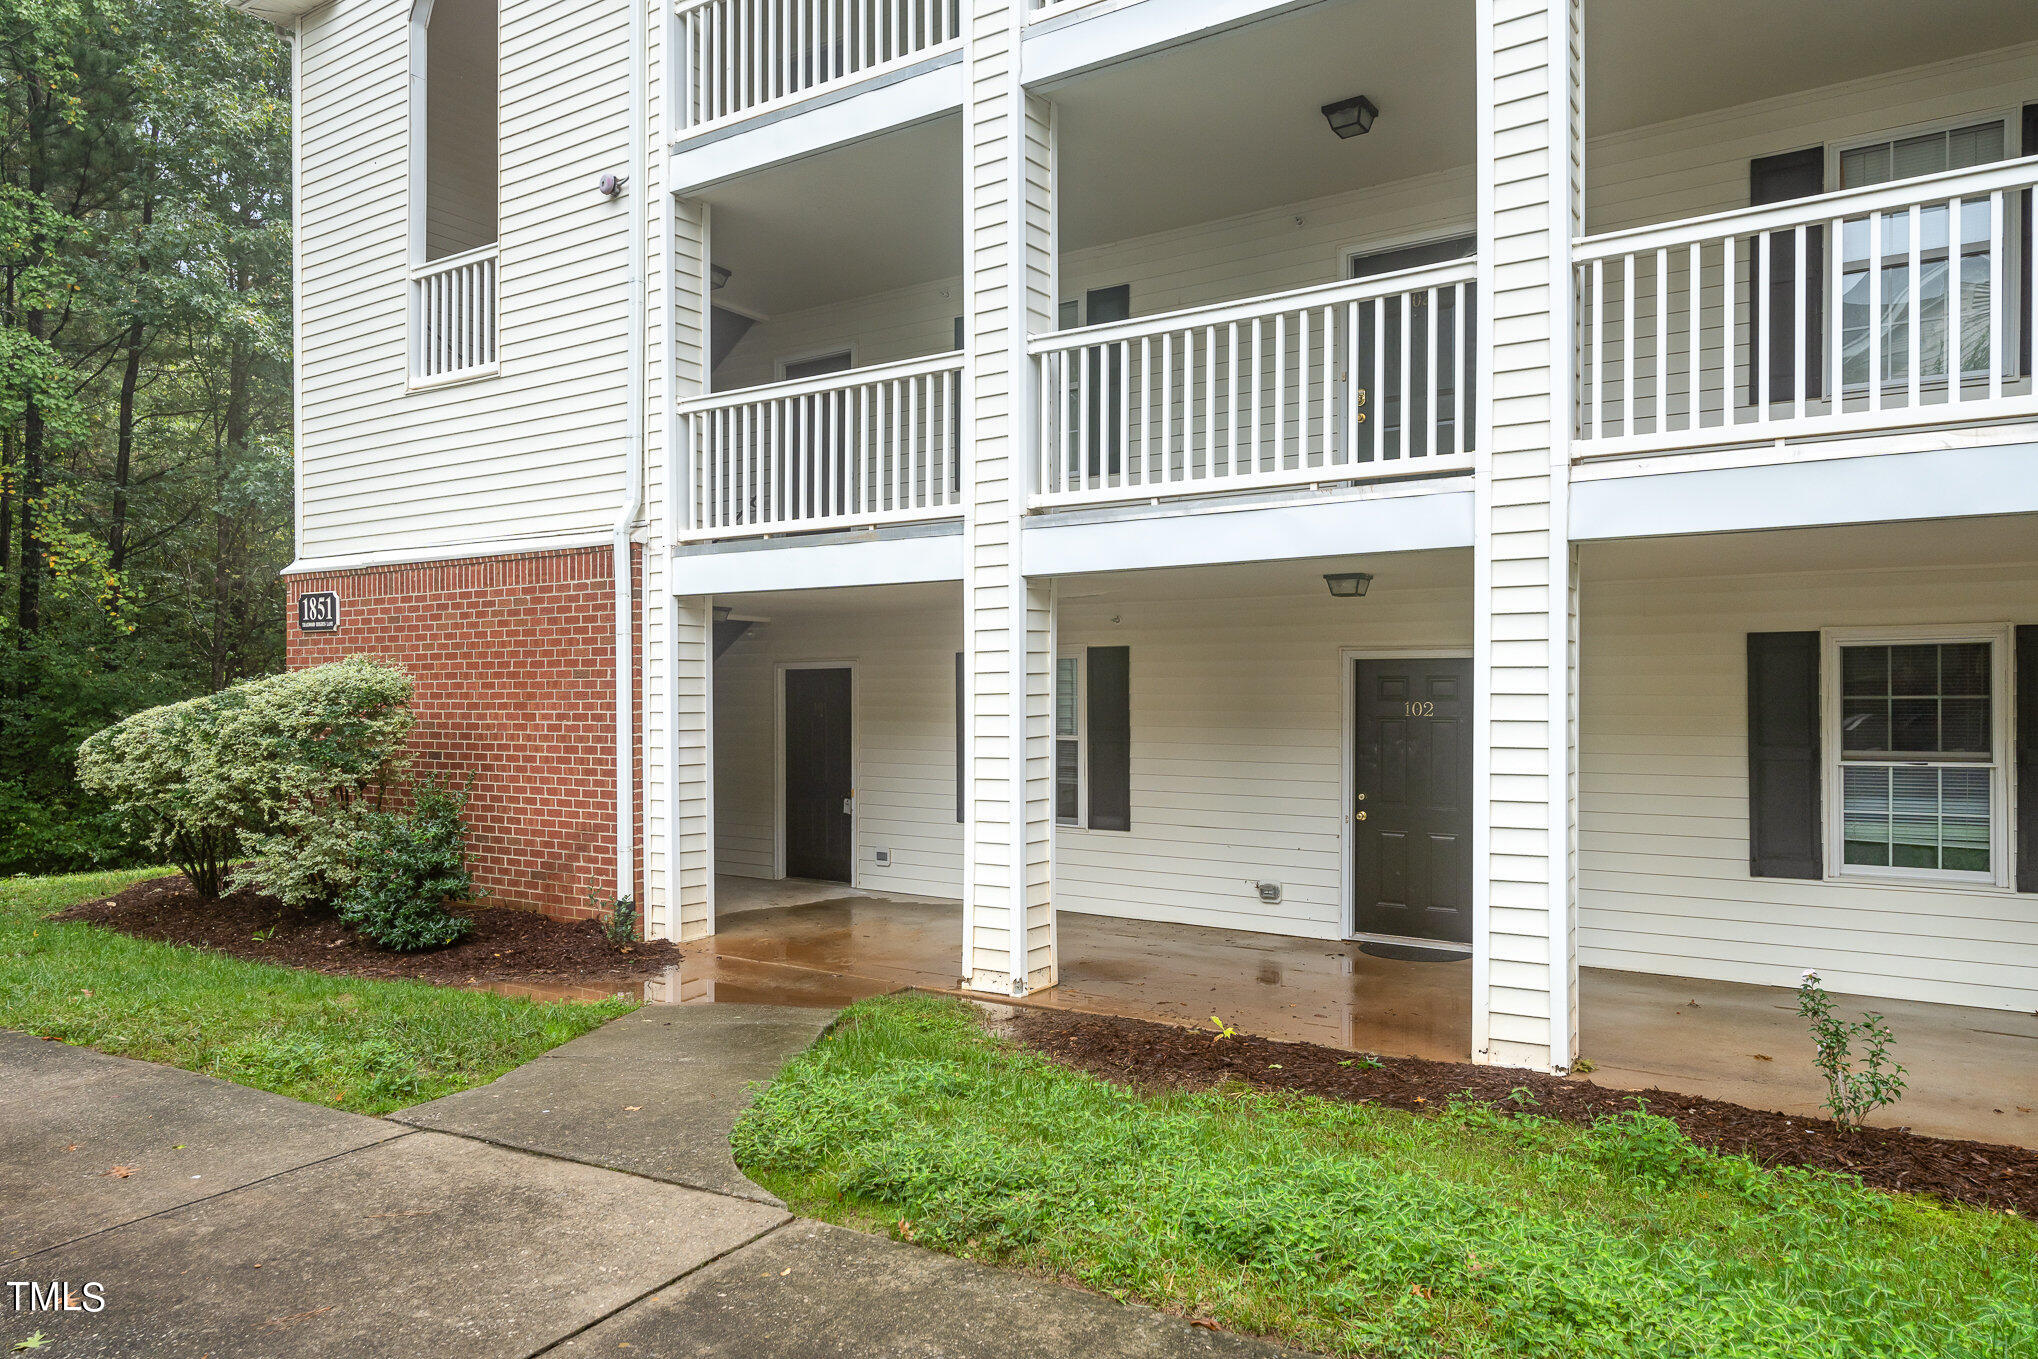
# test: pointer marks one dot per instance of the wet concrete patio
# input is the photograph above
(1973, 1073)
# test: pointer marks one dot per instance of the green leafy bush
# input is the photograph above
(409, 866)
(265, 768)
(44, 833)
(1855, 1086)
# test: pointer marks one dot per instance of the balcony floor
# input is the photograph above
(823, 944)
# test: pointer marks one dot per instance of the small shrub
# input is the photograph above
(618, 917)
(256, 768)
(409, 865)
(1855, 1088)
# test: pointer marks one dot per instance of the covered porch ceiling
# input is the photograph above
(1199, 132)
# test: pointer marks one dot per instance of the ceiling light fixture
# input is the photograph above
(1348, 584)
(720, 276)
(1351, 117)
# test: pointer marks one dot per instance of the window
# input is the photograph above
(817, 365)
(1068, 741)
(1927, 154)
(459, 126)
(453, 190)
(1953, 260)
(1920, 756)
(1093, 716)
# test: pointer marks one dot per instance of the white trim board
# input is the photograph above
(917, 95)
(1882, 488)
(451, 552)
(1188, 536)
(788, 565)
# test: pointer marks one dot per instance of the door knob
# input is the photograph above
(1358, 816)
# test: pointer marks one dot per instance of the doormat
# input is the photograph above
(1413, 953)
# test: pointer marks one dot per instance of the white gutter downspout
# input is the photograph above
(633, 477)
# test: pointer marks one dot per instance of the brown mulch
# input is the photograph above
(1159, 1056)
(506, 944)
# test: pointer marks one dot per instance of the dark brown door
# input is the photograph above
(817, 774)
(1412, 799)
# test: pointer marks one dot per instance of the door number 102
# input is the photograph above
(1419, 709)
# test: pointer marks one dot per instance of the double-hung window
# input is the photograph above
(1954, 265)
(1920, 752)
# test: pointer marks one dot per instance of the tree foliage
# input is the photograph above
(145, 458)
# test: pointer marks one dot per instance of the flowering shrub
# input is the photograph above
(270, 767)
(1855, 1088)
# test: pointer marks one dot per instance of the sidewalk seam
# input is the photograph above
(564, 1159)
(653, 1292)
(218, 1194)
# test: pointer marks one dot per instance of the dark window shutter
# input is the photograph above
(2030, 148)
(2024, 768)
(1784, 840)
(961, 736)
(1110, 733)
(1778, 179)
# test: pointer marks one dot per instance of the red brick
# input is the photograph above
(514, 661)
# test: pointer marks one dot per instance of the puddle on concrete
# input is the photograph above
(711, 980)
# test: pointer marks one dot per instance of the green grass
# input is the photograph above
(1361, 1230)
(369, 1046)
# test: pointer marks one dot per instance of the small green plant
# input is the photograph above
(412, 865)
(1224, 1030)
(1855, 1086)
(618, 917)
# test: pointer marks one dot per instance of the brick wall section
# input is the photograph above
(514, 660)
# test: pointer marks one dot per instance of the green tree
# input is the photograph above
(145, 459)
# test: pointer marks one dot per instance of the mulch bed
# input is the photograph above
(1150, 1056)
(506, 945)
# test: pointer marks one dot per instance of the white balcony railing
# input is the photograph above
(1351, 382)
(1868, 309)
(871, 446)
(453, 317)
(750, 56)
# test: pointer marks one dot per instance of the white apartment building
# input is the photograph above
(1547, 480)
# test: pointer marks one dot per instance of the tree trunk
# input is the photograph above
(123, 456)
(30, 612)
(225, 535)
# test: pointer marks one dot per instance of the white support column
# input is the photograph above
(685, 909)
(691, 719)
(1530, 158)
(1008, 620)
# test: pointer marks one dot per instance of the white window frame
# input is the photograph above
(418, 168)
(786, 361)
(2002, 714)
(1081, 656)
(2012, 119)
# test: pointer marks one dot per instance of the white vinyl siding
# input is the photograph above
(904, 736)
(1694, 166)
(1238, 732)
(1664, 859)
(538, 453)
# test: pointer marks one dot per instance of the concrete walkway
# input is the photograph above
(584, 1204)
